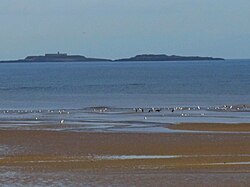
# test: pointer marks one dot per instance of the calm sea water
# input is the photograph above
(126, 85)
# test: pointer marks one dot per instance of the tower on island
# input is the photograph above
(58, 54)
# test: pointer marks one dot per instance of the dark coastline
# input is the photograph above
(58, 57)
(162, 57)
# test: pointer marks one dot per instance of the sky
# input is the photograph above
(124, 28)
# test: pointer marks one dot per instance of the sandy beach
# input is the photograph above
(141, 158)
(243, 127)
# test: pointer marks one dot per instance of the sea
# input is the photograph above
(123, 96)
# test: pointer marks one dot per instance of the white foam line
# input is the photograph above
(205, 164)
(130, 157)
(52, 161)
(134, 157)
(122, 157)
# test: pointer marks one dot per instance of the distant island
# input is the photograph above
(64, 57)
(58, 57)
(162, 57)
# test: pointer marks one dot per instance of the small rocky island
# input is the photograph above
(58, 57)
(162, 57)
(64, 57)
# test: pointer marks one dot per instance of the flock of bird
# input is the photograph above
(136, 110)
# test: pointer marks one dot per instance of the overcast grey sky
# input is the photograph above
(121, 28)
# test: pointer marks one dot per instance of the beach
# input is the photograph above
(125, 93)
(243, 127)
(214, 158)
(125, 124)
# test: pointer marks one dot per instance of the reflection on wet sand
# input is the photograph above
(103, 146)
(108, 119)
(214, 127)
(108, 156)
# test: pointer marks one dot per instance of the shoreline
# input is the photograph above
(216, 127)
(112, 155)
(76, 144)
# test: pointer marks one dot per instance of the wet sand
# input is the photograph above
(196, 159)
(243, 127)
